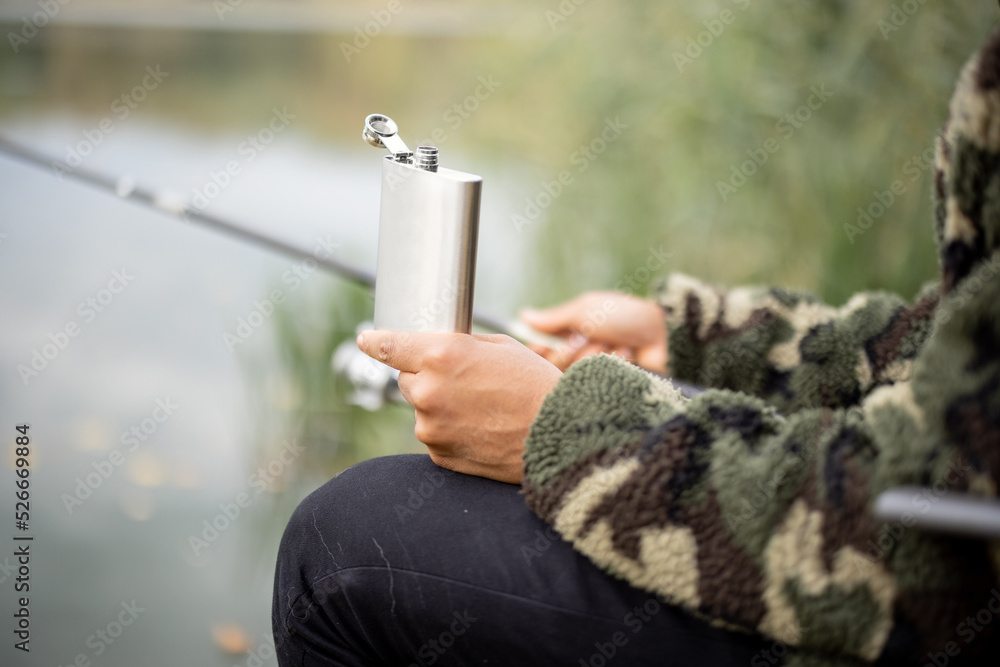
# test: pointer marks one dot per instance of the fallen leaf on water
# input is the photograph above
(231, 638)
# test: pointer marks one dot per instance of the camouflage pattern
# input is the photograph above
(750, 505)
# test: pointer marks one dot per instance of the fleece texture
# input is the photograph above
(751, 504)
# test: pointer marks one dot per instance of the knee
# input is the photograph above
(325, 534)
(332, 528)
(347, 506)
(366, 486)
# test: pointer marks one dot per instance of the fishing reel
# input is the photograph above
(375, 384)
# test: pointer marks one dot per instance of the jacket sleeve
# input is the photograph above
(763, 522)
(788, 347)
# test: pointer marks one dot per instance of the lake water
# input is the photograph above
(141, 424)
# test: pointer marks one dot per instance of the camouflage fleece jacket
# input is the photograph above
(751, 504)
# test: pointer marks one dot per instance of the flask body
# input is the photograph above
(427, 242)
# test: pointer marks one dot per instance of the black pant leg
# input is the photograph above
(398, 562)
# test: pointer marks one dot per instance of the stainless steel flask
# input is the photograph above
(427, 237)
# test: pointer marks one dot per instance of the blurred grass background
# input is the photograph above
(562, 75)
(658, 184)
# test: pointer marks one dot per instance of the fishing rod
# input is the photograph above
(173, 205)
(374, 382)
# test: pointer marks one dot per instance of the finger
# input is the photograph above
(526, 333)
(565, 357)
(576, 341)
(405, 384)
(653, 358)
(626, 353)
(561, 356)
(540, 350)
(589, 350)
(497, 339)
(557, 319)
(402, 350)
(550, 355)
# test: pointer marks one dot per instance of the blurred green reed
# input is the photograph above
(303, 399)
(658, 184)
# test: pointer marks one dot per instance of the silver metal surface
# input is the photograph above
(427, 240)
(949, 512)
(426, 158)
(381, 132)
(428, 234)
